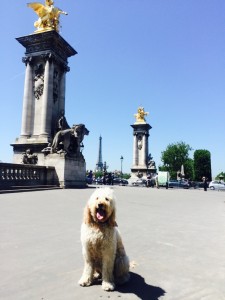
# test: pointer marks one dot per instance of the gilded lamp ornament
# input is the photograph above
(140, 116)
(48, 16)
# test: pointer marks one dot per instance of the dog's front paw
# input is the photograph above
(97, 276)
(108, 286)
(85, 281)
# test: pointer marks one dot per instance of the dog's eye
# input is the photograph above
(107, 199)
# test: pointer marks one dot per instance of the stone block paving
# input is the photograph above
(175, 240)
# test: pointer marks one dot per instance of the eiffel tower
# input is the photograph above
(99, 164)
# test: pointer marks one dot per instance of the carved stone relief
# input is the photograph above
(139, 142)
(39, 81)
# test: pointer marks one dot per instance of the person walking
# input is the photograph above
(157, 181)
(205, 184)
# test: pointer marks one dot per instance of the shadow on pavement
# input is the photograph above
(140, 288)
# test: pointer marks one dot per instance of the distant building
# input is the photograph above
(99, 164)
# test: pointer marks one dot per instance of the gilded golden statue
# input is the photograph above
(48, 15)
(140, 116)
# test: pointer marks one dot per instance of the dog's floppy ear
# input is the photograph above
(87, 215)
(112, 219)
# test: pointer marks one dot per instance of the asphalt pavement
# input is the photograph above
(175, 240)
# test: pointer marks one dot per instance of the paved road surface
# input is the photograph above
(175, 239)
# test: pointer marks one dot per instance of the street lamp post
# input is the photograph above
(121, 158)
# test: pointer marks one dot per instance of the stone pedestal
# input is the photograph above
(71, 171)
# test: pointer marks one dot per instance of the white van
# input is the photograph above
(163, 178)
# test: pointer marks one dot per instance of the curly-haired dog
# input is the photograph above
(103, 250)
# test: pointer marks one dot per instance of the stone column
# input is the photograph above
(27, 99)
(144, 150)
(140, 148)
(63, 88)
(147, 147)
(62, 92)
(135, 150)
(47, 98)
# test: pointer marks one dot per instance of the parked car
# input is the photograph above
(139, 182)
(120, 181)
(179, 184)
(116, 180)
(98, 180)
(217, 185)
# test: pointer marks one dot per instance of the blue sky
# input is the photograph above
(165, 55)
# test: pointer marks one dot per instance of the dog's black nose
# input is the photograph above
(100, 206)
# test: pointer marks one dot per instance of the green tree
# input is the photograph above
(202, 164)
(126, 176)
(98, 174)
(174, 157)
(189, 168)
(219, 176)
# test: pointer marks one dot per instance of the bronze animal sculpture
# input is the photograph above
(69, 140)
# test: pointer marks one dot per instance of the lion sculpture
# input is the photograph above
(69, 140)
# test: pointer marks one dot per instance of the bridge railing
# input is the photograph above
(15, 175)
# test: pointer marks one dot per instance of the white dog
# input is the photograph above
(102, 246)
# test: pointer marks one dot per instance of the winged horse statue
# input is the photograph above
(48, 15)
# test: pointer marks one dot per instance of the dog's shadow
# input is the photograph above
(140, 288)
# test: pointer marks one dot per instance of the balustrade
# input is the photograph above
(14, 175)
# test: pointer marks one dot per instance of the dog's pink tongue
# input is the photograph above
(100, 216)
